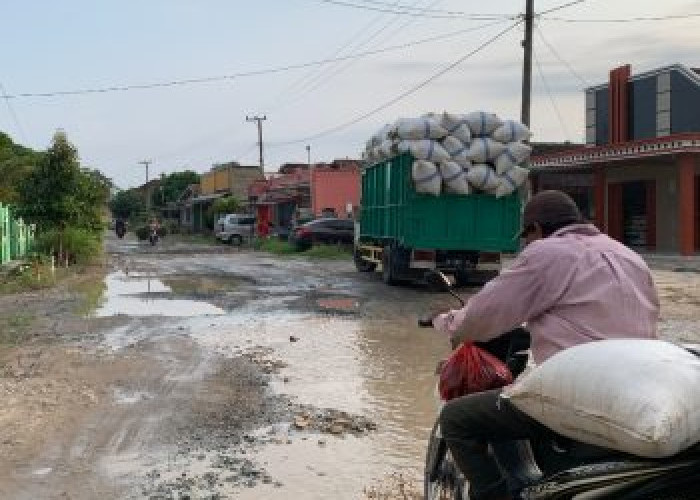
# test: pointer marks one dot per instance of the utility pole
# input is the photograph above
(527, 62)
(259, 120)
(146, 163)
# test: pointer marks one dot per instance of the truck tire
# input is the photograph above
(361, 264)
(474, 278)
(388, 266)
(236, 240)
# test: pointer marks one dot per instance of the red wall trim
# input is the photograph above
(618, 104)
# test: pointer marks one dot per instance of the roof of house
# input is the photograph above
(692, 73)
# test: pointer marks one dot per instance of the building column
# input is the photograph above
(599, 197)
(686, 203)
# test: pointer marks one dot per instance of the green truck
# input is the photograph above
(404, 233)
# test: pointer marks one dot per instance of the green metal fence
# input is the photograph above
(16, 237)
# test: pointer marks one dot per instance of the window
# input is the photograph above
(590, 117)
(663, 104)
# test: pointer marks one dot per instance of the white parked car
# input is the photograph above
(235, 228)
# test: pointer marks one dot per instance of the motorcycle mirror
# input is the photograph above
(437, 280)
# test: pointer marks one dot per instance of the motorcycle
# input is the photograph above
(560, 469)
(153, 237)
(120, 229)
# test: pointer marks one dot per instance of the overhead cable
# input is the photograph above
(551, 97)
(622, 20)
(402, 95)
(245, 74)
(326, 73)
(560, 7)
(388, 9)
(555, 53)
(13, 115)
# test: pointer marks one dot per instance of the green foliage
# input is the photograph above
(80, 245)
(16, 162)
(275, 246)
(126, 204)
(143, 232)
(172, 186)
(226, 205)
(58, 192)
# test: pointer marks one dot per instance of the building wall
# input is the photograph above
(666, 177)
(685, 104)
(335, 189)
(642, 118)
(602, 132)
(241, 179)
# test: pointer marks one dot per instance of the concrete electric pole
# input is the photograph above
(259, 120)
(146, 163)
(527, 62)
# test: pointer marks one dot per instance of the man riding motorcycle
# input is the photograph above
(571, 284)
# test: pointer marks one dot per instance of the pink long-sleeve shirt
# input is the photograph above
(576, 286)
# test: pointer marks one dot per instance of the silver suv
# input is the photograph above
(235, 228)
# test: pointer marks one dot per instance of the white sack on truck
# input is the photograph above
(485, 149)
(426, 177)
(425, 149)
(457, 150)
(514, 154)
(483, 177)
(633, 395)
(457, 126)
(511, 131)
(388, 148)
(418, 128)
(482, 124)
(454, 178)
(511, 180)
(379, 136)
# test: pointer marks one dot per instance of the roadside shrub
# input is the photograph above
(79, 246)
(142, 232)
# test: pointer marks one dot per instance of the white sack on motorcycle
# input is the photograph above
(632, 395)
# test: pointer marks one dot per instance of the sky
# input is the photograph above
(51, 47)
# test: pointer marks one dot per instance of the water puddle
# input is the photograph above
(143, 296)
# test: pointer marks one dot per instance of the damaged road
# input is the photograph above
(209, 372)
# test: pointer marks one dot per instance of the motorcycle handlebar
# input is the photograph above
(425, 322)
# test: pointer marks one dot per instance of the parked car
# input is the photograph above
(235, 228)
(326, 230)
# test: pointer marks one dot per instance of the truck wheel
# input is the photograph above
(236, 240)
(388, 269)
(474, 278)
(362, 265)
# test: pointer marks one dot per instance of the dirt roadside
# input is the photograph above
(69, 403)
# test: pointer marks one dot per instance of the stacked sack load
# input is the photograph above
(457, 153)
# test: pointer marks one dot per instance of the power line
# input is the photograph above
(400, 6)
(13, 115)
(331, 73)
(561, 60)
(403, 12)
(622, 20)
(562, 6)
(551, 97)
(324, 74)
(404, 94)
(233, 76)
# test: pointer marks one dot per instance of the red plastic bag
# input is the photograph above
(471, 369)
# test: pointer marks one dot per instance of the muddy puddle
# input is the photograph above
(377, 369)
(142, 295)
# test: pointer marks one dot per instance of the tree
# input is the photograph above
(172, 186)
(127, 203)
(59, 192)
(226, 205)
(15, 164)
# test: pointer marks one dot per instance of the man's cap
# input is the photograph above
(550, 209)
